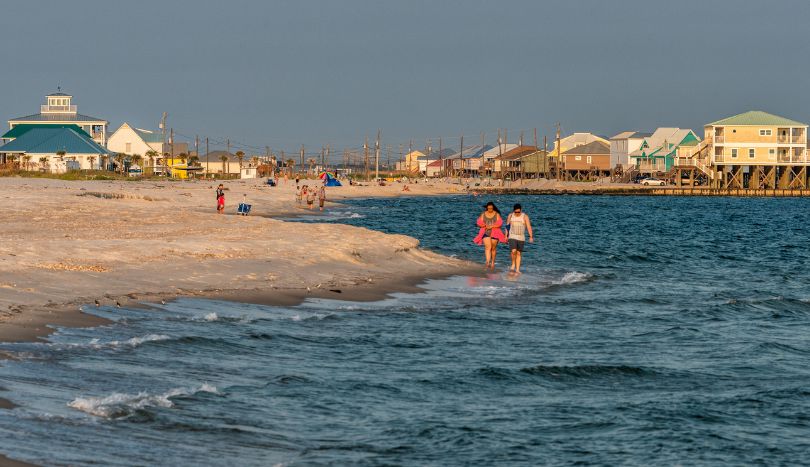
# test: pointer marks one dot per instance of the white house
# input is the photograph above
(129, 140)
(622, 145)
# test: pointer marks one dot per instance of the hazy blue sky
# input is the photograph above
(282, 73)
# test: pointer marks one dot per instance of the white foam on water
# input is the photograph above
(135, 341)
(573, 277)
(211, 317)
(119, 405)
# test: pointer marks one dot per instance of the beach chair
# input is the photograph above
(243, 208)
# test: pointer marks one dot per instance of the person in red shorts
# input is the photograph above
(220, 199)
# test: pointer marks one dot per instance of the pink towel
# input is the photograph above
(497, 233)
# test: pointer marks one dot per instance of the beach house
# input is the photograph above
(656, 154)
(410, 162)
(466, 162)
(54, 148)
(622, 145)
(489, 165)
(586, 162)
(59, 110)
(510, 165)
(755, 150)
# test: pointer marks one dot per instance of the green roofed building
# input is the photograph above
(22, 128)
(55, 149)
(59, 111)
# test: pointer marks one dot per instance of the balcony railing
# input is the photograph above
(58, 108)
(719, 139)
(792, 159)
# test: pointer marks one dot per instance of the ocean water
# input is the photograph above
(644, 331)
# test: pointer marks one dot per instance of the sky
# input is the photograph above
(286, 73)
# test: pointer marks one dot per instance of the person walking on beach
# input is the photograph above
(310, 195)
(321, 196)
(220, 199)
(519, 225)
(490, 233)
(298, 195)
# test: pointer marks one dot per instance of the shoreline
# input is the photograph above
(71, 243)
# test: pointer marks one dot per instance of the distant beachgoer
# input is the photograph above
(519, 224)
(220, 199)
(298, 195)
(490, 233)
(310, 198)
(406, 188)
(321, 196)
(297, 179)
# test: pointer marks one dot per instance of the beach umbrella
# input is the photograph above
(326, 175)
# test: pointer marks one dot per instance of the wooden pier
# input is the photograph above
(656, 191)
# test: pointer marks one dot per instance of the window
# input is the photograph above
(589, 159)
(752, 153)
(765, 132)
(772, 152)
(128, 148)
(579, 158)
(734, 153)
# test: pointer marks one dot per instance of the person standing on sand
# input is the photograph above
(519, 224)
(310, 198)
(220, 199)
(321, 196)
(298, 195)
(490, 233)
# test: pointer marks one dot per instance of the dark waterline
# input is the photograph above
(643, 331)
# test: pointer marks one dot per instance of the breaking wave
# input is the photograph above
(119, 405)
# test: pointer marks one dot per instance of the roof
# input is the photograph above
(436, 163)
(44, 140)
(149, 136)
(632, 134)
(470, 152)
(444, 153)
(594, 148)
(57, 117)
(671, 136)
(59, 94)
(759, 118)
(498, 150)
(517, 153)
(23, 127)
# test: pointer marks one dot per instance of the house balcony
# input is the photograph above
(652, 167)
(719, 139)
(72, 109)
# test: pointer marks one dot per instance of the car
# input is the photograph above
(653, 182)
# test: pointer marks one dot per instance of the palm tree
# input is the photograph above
(27, 162)
(240, 156)
(119, 157)
(290, 166)
(255, 161)
(91, 160)
(152, 155)
(43, 161)
(183, 157)
(135, 159)
(224, 159)
(311, 163)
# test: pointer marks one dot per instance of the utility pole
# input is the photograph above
(327, 154)
(545, 156)
(520, 141)
(163, 134)
(302, 156)
(537, 156)
(377, 157)
(388, 158)
(207, 158)
(171, 142)
(441, 158)
(365, 157)
(401, 157)
(559, 159)
(481, 168)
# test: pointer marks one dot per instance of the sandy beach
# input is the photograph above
(67, 244)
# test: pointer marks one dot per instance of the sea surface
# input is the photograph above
(644, 331)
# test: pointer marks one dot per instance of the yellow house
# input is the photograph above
(178, 167)
(412, 161)
(757, 150)
(574, 140)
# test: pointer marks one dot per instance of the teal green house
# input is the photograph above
(657, 152)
